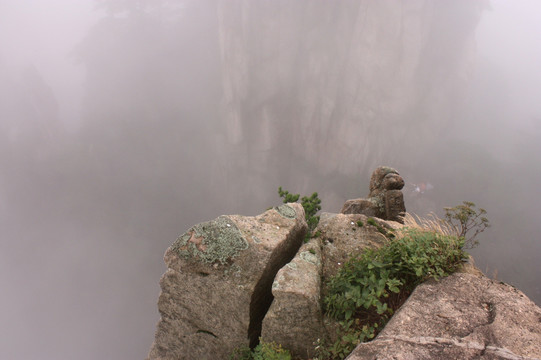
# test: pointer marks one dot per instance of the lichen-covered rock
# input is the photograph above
(236, 278)
(385, 178)
(217, 286)
(385, 199)
(462, 316)
(294, 319)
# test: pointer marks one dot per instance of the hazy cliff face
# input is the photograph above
(342, 85)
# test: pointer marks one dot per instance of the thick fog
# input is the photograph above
(123, 123)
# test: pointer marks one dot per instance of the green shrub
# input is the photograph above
(311, 206)
(241, 353)
(367, 290)
(464, 218)
(263, 351)
(270, 351)
(288, 198)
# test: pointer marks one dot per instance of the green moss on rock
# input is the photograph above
(211, 241)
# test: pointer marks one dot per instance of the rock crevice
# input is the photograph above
(218, 284)
(262, 297)
(236, 279)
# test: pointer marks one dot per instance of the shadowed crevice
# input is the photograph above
(262, 296)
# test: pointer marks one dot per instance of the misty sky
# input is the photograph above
(81, 247)
(44, 33)
(509, 41)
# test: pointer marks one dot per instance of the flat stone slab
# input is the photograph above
(462, 316)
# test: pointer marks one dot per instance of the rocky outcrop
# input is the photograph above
(226, 283)
(462, 316)
(217, 287)
(344, 235)
(295, 318)
(385, 199)
(235, 279)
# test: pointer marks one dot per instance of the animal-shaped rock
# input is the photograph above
(385, 200)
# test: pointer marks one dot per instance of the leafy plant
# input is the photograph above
(311, 206)
(464, 218)
(270, 351)
(241, 353)
(368, 289)
(263, 351)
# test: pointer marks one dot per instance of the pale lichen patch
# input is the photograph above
(213, 241)
(286, 211)
(309, 257)
(292, 265)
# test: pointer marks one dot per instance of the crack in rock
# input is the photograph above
(491, 309)
(262, 297)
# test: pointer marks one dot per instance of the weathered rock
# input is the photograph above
(344, 235)
(294, 319)
(217, 287)
(227, 283)
(385, 199)
(385, 178)
(462, 316)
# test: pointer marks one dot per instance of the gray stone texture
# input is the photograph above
(294, 319)
(463, 316)
(385, 199)
(212, 303)
(344, 235)
(233, 279)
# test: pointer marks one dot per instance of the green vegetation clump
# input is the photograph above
(288, 198)
(464, 218)
(367, 290)
(370, 287)
(371, 221)
(311, 205)
(263, 351)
